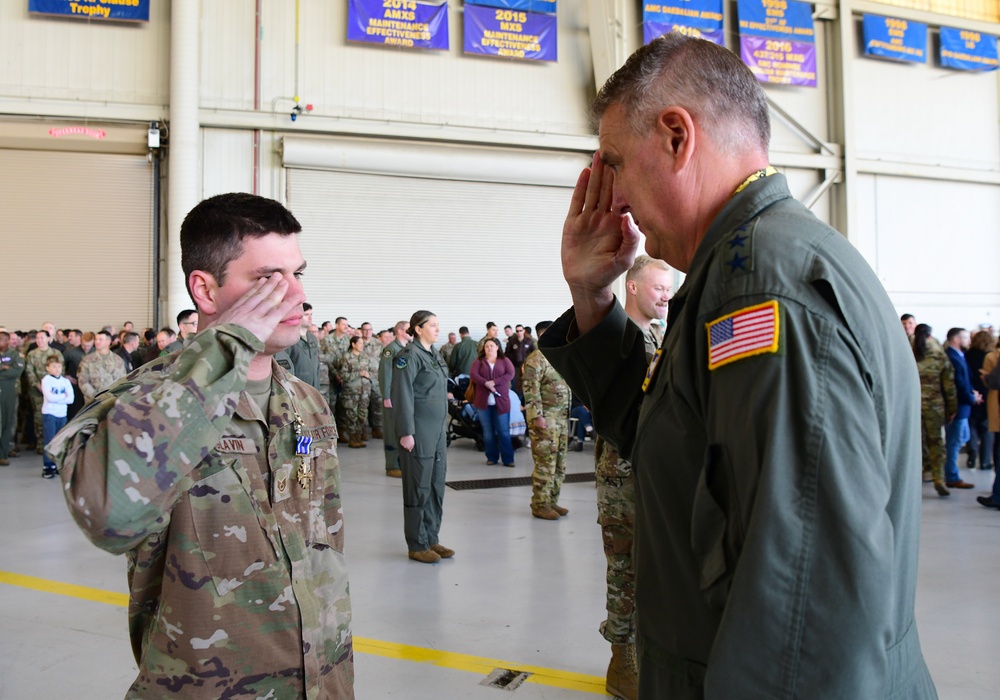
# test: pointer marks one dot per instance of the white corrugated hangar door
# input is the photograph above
(381, 246)
(76, 233)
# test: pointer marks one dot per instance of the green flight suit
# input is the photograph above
(389, 440)
(463, 356)
(777, 498)
(11, 369)
(419, 395)
(304, 356)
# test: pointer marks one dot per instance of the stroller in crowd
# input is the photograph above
(464, 419)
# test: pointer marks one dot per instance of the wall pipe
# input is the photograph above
(256, 98)
(182, 177)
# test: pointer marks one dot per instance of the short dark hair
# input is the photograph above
(952, 332)
(168, 330)
(212, 233)
(149, 334)
(463, 330)
(340, 318)
(906, 317)
(42, 330)
(184, 315)
(104, 332)
(306, 306)
(490, 324)
(507, 326)
(129, 337)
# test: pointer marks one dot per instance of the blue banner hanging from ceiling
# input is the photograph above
(968, 50)
(123, 10)
(491, 31)
(892, 37)
(398, 23)
(698, 18)
(548, 6)
(777, 41)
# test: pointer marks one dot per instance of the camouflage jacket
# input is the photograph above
(238, 584)
(545, 392)
(97, 372)
(373, 348)
(34, 366)
(938, 395)
(608, 464)
(350, 367)
(334, 348)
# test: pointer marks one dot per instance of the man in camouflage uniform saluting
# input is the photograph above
(546, 407)
(216, 472)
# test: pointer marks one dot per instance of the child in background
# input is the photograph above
(57, 394)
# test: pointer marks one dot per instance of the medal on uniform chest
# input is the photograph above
(303, 443)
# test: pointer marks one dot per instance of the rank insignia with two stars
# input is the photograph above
(737, 251)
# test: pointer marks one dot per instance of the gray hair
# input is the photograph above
(708, 80)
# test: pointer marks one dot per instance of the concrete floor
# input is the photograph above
(521, 593)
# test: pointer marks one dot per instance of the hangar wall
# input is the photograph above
(890, 154)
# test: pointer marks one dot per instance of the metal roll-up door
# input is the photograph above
(76, 233)
(382, 246)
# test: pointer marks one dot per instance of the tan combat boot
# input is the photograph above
(377, 433)
(623, 672)
(426, 556)
(559, 509)
(355, 441)
(545, 512)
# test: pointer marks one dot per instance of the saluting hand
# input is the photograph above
(598, 245)
(262, 308)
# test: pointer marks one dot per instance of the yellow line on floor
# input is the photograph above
(66, 589)
(459, 662)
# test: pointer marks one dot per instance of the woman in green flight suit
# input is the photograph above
(420, 410)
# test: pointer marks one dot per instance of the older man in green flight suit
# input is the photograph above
(775, 435)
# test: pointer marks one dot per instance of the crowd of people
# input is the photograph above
(137, 404)
(960, 404)
(757, 448)
(88, 361)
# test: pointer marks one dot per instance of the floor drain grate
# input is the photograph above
(512, 481)
(505, 679)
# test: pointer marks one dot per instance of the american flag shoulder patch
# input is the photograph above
(754, 330)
